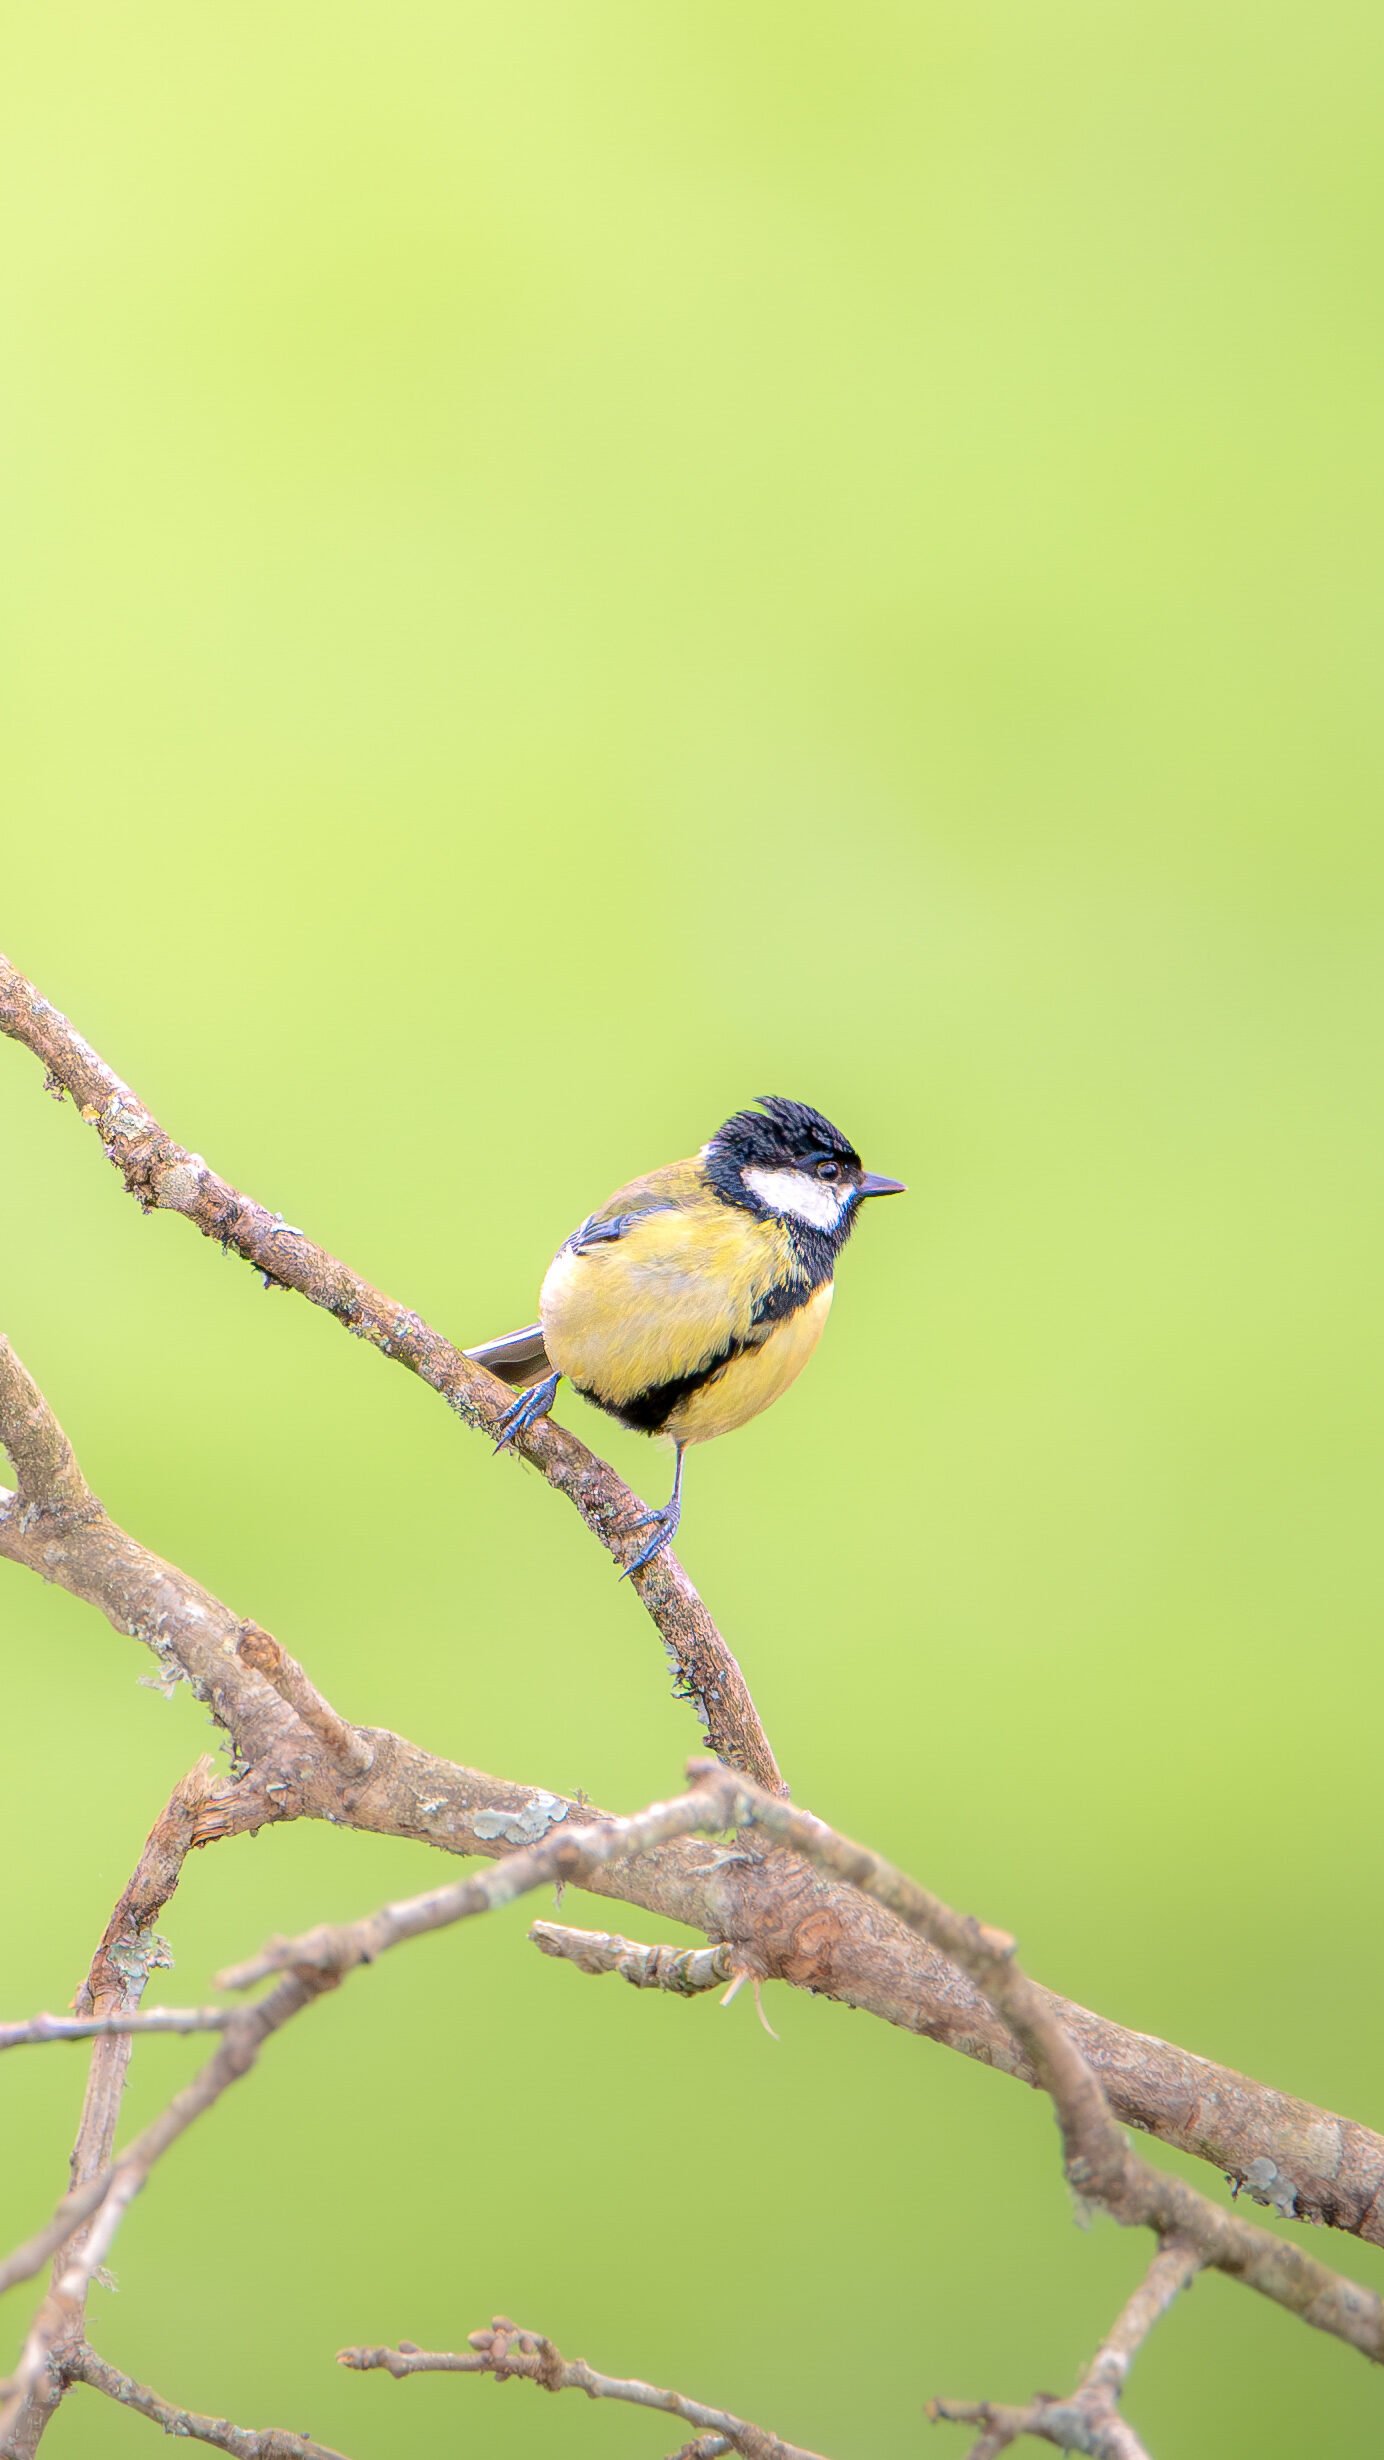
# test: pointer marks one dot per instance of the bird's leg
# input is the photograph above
(526, 1411)
(664, 1524)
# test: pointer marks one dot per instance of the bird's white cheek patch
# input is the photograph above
(797, 1192)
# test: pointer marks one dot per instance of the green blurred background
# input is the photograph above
(563, 567)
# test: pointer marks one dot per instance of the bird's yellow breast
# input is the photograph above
(676, 1290)
(754, 1379)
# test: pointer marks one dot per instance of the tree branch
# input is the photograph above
(1191, 2231)
(570, 1856)
(794, 1899)
(510, 2354)
(779, 1918)
(163, 1176)
(1098, 2162)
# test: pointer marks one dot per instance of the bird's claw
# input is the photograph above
(664, 1524)
(526, 1411)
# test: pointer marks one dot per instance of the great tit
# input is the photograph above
(693, 1298)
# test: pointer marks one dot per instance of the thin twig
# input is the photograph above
(687, 1971)
(129, 1951)
(114, 2188)
(243, 2442)
(1173, 2269)
(163, 1175)
(87, 2028)
(1088, 2420)
(510, 2353)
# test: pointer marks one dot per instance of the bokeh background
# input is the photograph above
(564, 567)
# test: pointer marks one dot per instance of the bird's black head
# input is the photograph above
(786, 1160)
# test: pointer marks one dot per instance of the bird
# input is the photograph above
(693, 1298)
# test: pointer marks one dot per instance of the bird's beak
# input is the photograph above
(873, 1185)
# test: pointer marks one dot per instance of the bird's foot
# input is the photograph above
(526, 1411)
(664, 1525)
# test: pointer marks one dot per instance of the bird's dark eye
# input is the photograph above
(828, 1170)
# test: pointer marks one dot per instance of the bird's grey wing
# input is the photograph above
(598, 1228)
(517, 1357)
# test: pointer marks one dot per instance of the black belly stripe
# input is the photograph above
(648, 1412)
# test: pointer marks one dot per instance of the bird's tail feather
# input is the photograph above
(517, 1357)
